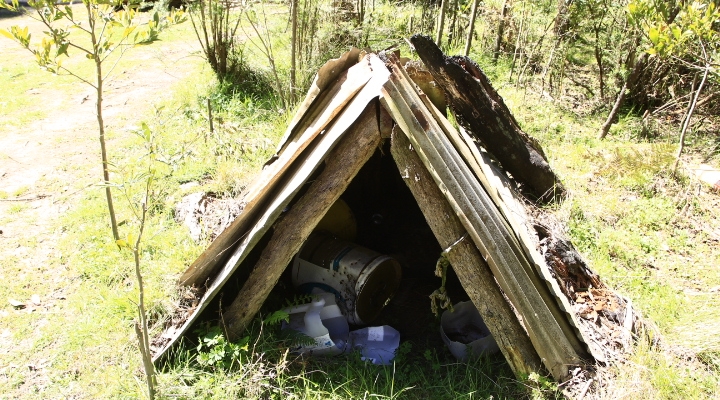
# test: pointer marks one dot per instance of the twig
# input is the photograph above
(689, 116)
(585, 388)
(37, 197)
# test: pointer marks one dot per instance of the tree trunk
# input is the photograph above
(639, 65)
(686, 123)
(466, 260)
(479, 107)
(601, 66)
(293, 50)
(500, 31)
(471, 28)
(290, 233)
(562, 20)
(441, 22)
(101, 124)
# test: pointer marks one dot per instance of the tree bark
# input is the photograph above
(480, 108)
(290, 233)
(466, 260)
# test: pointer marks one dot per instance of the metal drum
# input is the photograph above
(363, 280)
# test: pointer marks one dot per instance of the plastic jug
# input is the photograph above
(376, 343)
(321, 320)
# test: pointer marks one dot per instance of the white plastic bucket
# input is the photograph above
(464, 330)
(363, 280)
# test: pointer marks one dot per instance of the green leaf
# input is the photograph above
(677, 32)
(90, 56)
(632, 8)
(62, 49)
(146, 131)
(122, 243)
(7, 34)
(128, 31)
(654, 35)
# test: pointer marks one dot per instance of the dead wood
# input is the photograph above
(607, 320)
(290, 233)
(483, 112)
(466, 260)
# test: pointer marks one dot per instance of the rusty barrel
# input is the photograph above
(363, 280)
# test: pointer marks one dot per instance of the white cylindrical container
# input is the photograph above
(464, 330)
(363, 280)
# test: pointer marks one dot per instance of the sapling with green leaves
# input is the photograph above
(102, 32)
(139, 207)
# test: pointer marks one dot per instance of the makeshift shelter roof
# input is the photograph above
(474, 207)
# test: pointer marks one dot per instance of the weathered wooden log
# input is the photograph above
(481, 109)
(290, 233)
(466, 260)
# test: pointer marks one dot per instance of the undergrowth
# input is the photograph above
(260, 366)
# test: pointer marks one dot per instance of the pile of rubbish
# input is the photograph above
(349, 285)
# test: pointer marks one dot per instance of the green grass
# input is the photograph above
(266, 370)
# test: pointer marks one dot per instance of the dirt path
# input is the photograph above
(45, 165)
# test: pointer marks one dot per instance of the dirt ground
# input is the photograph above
(44, 168)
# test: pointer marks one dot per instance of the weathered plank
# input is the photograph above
(479, 107)
(545, 323)
(326, 75)
(353, 151)
(347, 85)
(512, 207)
(466, 260)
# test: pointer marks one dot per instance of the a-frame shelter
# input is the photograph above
(515, 272)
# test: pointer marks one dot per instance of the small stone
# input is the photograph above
(16, 304)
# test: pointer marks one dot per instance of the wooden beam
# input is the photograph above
(290, 233)
(466, 260)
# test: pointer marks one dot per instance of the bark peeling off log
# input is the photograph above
(606, 319)
(483, 112)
